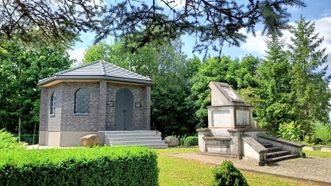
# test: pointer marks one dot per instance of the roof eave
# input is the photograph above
(93, 77)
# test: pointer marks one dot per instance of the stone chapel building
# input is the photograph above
(93, 99)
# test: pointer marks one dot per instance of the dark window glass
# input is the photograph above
(82, 101)
(52, 104)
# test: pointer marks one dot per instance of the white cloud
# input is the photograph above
(77, 54)
(257, 45)
(254, 44)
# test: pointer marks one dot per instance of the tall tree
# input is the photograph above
(20, 69)
(309, 78)
(272, 104)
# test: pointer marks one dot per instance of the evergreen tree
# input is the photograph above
(309, 79)
(272, 95)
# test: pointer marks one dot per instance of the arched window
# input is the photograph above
(82, 101)
(52, 104)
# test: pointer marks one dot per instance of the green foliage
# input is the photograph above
(290, 131)
(238, 73)
(88, 166)
(309, 77)
(228, 175)
(292, 84)
(191, 141)
(21, 68)
(322, 133)
(8, 141)
(272, 95)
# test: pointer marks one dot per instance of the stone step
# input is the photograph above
(277, 154)
(136, 138)
(149, 144)
(279, 158)
(267, 145)
(130, 135)
(131, 132)
(133, 141)
(273, 149)
(146, 145)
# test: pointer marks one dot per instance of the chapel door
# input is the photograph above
(124, 110)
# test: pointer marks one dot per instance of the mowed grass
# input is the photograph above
(182, 172)
(318, 154)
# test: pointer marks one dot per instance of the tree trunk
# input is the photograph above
(34, 133)
(19, 128)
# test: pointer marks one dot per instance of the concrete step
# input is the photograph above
(273, 149)
(279, 158)
(277, 154)
(132, 141)
(267, 145)
(131, 132)
(146, 145)
(149, 144)
(150, 138)
(135, 138)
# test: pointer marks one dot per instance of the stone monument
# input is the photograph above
(232, 132)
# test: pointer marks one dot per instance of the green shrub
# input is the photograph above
(228, 175)
(28, 138)
(79, 166)
(191, 141)
(290, 131)
(322, 133)
(8, 141)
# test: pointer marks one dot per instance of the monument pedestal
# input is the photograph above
(231, 131)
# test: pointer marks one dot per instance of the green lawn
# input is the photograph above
(318, 154)
(178, 171)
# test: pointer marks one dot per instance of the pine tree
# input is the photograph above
(272, 95)
(309, 75)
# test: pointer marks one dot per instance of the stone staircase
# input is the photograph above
(149, 138)
(275, 153)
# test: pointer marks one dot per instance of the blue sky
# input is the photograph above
(318, 11)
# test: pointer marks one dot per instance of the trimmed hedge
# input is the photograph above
(191, 141)
(92, 166)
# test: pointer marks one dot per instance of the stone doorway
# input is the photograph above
(124, 110)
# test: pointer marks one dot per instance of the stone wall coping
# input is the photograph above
(202, 130)
(280, 140)
(217, 138)
(254, 144)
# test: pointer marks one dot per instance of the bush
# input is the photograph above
(8, 141)
(228, 175)
(80, 166)
(290, 131)
(191, 141)
(28, 138)
(322, 133)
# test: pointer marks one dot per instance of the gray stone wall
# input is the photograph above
(140, 114)
(79, 122)
(101, 110)
(43, 109)
(54, 121)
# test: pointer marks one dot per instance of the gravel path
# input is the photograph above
(314, 169)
